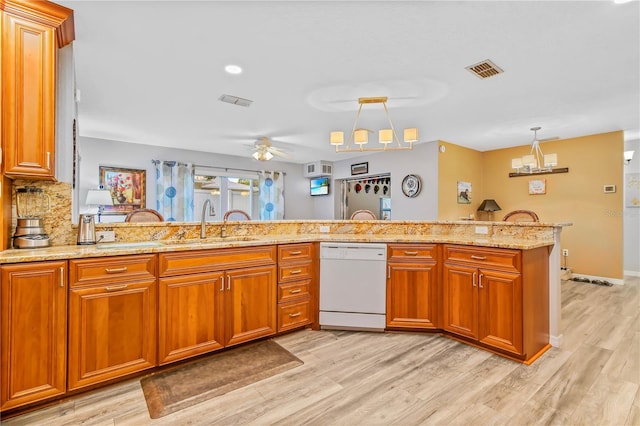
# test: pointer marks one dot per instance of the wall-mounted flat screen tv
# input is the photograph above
(320, 186)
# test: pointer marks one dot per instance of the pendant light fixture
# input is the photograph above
(360, 137)
(536, 162)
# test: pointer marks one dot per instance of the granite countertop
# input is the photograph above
(126, 248)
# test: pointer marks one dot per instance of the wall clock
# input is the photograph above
(411, 185)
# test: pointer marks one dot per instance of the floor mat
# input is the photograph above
(189, 384)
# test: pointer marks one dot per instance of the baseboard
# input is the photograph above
(632, 273)
(616, 281)
(556, 341)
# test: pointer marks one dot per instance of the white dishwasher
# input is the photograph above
(353, 286)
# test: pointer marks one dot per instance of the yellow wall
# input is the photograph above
(595, 239)
(458, 164)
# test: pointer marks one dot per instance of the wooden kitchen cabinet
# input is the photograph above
(34, 332)
(210, 299)
(112, 318)
(31, 33)
(497, 298)
(297, 280)
(412, 290)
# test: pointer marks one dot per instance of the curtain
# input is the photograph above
(271, 195)
(174, 190)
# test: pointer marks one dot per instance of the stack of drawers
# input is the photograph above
(296, 277)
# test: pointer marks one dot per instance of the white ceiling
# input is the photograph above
(151, 72)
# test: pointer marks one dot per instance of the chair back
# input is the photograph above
(236, 215)
(144, 215)
(363, 215)
(521, 216)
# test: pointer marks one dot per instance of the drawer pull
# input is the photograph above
(295, 253)
(411, 253)
(473, 256)
(297, 290)
(115, 270)
(61, 276)
(473, 279)
(116, 287)
(295, 271)
(297, 314)
(480, 281)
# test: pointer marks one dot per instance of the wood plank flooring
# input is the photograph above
(359, 378)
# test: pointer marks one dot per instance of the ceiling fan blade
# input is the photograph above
(280, 153)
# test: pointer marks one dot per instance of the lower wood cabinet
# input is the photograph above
(497, 297)
(203, 311)
(33, 332)
(112, 318)
(412, 286)
(297, 281)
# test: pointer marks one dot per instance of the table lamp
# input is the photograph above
(489, 206)
(100, 198)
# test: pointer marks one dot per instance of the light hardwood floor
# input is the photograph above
(358, 378)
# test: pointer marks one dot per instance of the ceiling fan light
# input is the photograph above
(411, 135)
(385, 136)
(550, 160)
(361, 137)
(336, 138)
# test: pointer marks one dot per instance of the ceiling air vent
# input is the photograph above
(235, 100)
(485, 69)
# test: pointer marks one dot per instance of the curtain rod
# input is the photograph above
(226, 169)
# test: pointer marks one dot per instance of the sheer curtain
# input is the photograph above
(271, 195)
(174, 190)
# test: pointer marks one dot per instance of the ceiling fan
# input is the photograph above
(263, 150)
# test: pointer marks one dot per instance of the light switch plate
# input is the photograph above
(609, 188)
(325, 229)
(482, 230)
(105, 236)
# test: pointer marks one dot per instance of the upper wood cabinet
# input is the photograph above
(33, 332)
(31, 33)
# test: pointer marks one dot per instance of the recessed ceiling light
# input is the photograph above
(233, 69)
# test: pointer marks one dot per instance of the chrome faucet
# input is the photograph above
(203, 223)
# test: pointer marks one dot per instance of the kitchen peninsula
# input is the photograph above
(508, 272)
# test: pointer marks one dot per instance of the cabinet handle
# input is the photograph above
(480, 281)
(228, 282)
(295, 272)
(296, 291)
(297, 314)
(473, 279)
(411, 253)
(221, 284)
(116, 287)
(48, 160)
(61, 276)
(473, 256)
(295, 253)
(115, 270)
(389, 271)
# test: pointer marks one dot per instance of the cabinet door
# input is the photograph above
(460, 300)
(500, 309)
(112, 331)
(190, 321)
(34, 332)
(28, 104)
(411, 295)
(250, 306)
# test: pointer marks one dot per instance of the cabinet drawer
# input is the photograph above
(412, 252)
(294, 252)
(292, 315)
(295, 271)
(85, 272)
(496, 258)
(190, 262)
(293, 291)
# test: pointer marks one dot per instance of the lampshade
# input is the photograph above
(411, 135)
(99, 197)
(336, 138)
(361, 137)
(385, 136)
(516, 163)
(550, 160)
(489, 206)
(530, 160)
(262, 155)
(628, 156)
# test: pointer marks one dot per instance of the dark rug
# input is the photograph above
(189, 384)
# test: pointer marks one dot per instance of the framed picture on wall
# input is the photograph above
(127, 187)
(464, 192)
(537, 186)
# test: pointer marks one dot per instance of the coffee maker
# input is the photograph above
(31, 206)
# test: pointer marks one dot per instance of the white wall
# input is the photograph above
(421, 161)
(100, 152)
(631, 218)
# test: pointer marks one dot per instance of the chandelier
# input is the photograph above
(536, 162)
(360, 137)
